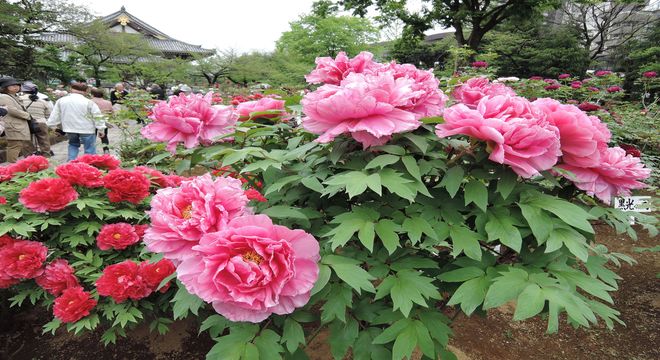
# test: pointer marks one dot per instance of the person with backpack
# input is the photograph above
(40, 110)
(80, 119)
(17, 130)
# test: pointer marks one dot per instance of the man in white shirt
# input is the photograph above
(80, 118)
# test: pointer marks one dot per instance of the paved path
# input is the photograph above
(60, 149)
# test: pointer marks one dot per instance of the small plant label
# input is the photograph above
(640, 204)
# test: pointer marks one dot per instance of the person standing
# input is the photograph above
(80, 119)
(106, 108)
(118, 94)
(17, 130)
(40, 110)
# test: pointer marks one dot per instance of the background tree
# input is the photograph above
(325, 33)
(638, 56)
(272, 68)
(412, 49)
(536, 49)
(52, 63)
(476, 16)
(97, 48)
(151, 70)
(216, 67)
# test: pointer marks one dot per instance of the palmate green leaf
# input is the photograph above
(417, 225)
(466, 241)
(285, 212)
(500, 227)
(573, 240)
(232, 346)
(386, 231)
(268, 344)
(322, 281)
(396, 184)
(366, 234)
(452, 180)
(293, 335)
(470, 294)
(530, 302)
(280, 183)
(437, 324)
(411, 287)
(539, 222)
(413, 169)
(596, 267)
(343, 232)
(420, 142)
(51, 326)
(506, 287)
(507, 183)
(462, 274)
(339, 299)
(313, 183)
(389, 334)
(364, 349)
(185, 302)
(215, 324)
(342, 337)
(382, 161)
(476, 192)
(355, 276)
(568, 212)
(405, 342)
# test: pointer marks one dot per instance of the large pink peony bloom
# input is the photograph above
(333, 71)
(369, 107)
(582, 137)
(273, 106)
(474, 89)
(526, 143)
(430, 100)
(616, 174)
(190, 119)
(252, 268)
(180, 216)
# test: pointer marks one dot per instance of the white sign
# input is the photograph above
(633, 203)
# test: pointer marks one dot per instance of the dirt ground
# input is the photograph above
(495, 337)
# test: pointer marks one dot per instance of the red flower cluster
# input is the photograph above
(650, 74)
(117, 236)
(128, 279)
(105, 161)
(32, 163)
(587, 106)
(49, 194)
(57, 277)
(237, 99)
(73, 305)
(254, 194)
(20, 259)
(124, 185)
(479, 64)
(3, 200)
(155, 177)
(5, 173)
(79, 173)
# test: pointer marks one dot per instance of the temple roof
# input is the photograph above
(123, 21)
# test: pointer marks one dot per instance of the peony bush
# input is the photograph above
(376, 210)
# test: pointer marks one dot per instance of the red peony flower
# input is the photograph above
(80, 174)
(7, 282)
(122, 281)
(105, 161)
(32, 163)
(563, 76)
(479, 64)
(587, 106)
(6, 173)
(155, 177)
(536, 78)
(22, 259)
(593, 88)
(253, 194)
(124, 185)
(140, 229)
(154, 273)
(650, 74)
(49, 194)
(3, 200)
(73, 305)
(6, 240)
(631, 150)
(117, 236)
(613, 89)
(174, 180)
(576, 84)
(57, 277)
(601, 73)
(552, 87)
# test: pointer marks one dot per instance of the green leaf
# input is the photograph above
(405, 343)
(476, 192)
(280, 183)
(251, 352)
(51, 326)
(500, 227)
(183, 165)
(462, 274)
(285, 212)
(411, 287)
(507, 183)
(322, 281)
(158, 158)
(466, 241)
(530, 302)
(293, 335)
(396, 184)
(452, 180)
(366, 235)
(386, 232)
(424, 339)
(344, 232)
(419, 141)
(185, 302)
(415, 226)
(436, 323)
(374, 183)
(573, 240)
(570, 213)
(355, 276)
(342, 337)
(539, 222)
(470, 294)
(268, 343)
(339, 299)
(506, 287)
(382, 160)
(413, 169)
(389, 334)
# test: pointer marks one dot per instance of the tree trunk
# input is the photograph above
(97, 76)
(474, 41)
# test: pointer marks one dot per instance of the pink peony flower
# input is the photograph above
(254, 194)
(430, 100)
(333, 71)
(57, 277)
(252, 268)
(582, 138)
(576, 85)
(563, 76)
(190, 119)
(474, 89)
(593, 88)
(180, 216)
(587, 106)
(631, 150)
(275, 108)
(616, 175)
(527, 144)
(601, 73)
(369, 107)
(479, 64)
(49, 194)
(650, 74)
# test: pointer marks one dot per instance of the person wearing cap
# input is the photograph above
(40, 110)
(17, 131)
(80, 119)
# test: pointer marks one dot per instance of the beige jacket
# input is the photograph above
(40, 109)
(16, 126)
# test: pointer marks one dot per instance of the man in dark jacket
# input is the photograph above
(118, 94)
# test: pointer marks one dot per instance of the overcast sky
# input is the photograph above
(243, 25)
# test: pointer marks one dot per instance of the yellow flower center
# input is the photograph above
(253, 257)
(21, 257)
(186, 212)
(117, 236)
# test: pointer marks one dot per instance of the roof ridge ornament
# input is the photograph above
(123, 19)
